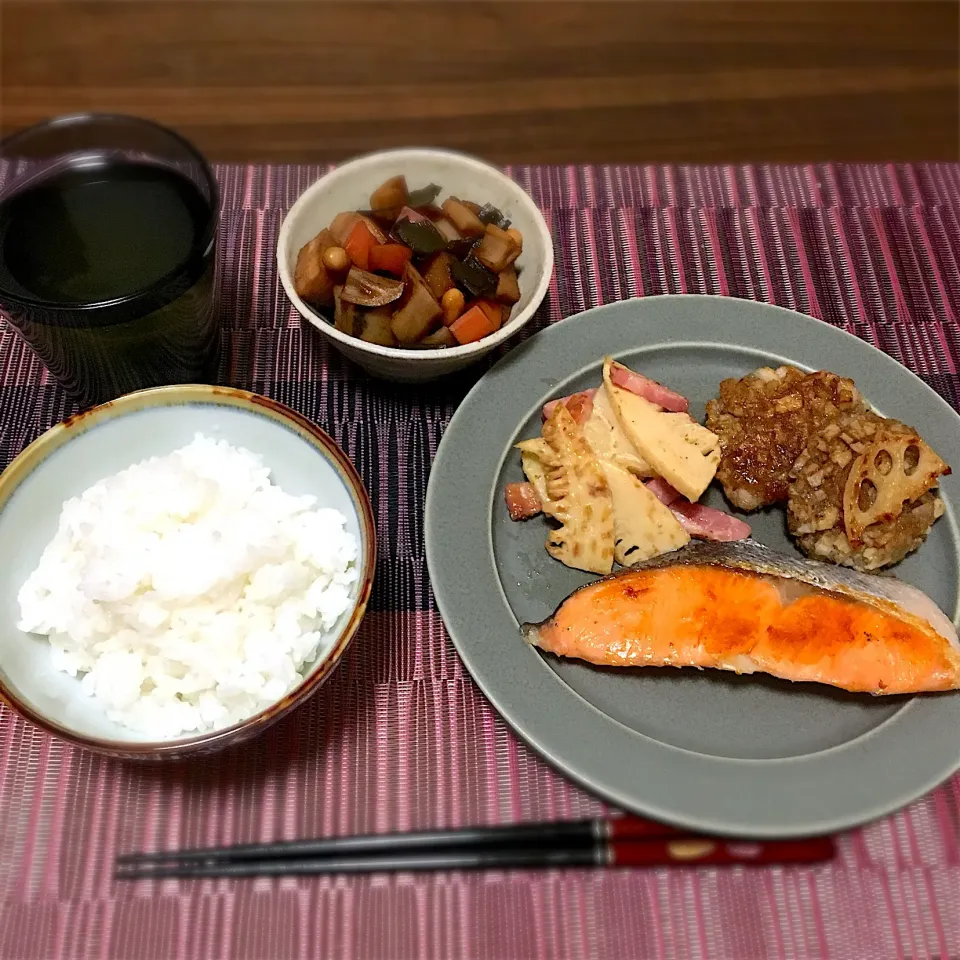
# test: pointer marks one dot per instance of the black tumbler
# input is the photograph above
(108, 253)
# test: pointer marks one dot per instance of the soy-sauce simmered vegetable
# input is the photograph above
(421, 236)
(410, 273)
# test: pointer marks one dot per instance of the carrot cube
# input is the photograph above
(493, 312)
(390, 257)
(359, 244)
(473, 325)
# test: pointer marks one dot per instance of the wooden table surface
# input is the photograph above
(295, 80)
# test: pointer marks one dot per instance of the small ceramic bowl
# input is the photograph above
(349, 187)
(73, 455)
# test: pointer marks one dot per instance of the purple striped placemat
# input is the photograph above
(400, 737)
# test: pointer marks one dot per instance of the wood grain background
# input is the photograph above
(513, 81)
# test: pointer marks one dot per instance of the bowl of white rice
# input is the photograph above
(182, 567)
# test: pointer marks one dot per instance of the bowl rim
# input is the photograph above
(25, 463)
(513, 326)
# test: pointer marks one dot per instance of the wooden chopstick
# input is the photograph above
(570, 844)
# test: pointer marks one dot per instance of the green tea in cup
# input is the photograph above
(107, 254)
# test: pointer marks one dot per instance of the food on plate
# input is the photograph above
(745, 608)
(630, 380)
(643, 526)
(699, 520)
(446, 274)
(579, 496)
(579, 404)
(188, 591)
(615, 437)
(678, 448)
(860, 489)
(764, 422)
(601, 427)
(864, 492)
(524, 499)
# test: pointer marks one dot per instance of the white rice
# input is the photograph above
(188, 591)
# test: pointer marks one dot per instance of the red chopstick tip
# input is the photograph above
(705, 851)
(637, 828)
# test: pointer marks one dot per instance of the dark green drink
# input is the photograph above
(107, 261)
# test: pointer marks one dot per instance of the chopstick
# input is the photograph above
(569, 831)
(622, 842)
(629, 853)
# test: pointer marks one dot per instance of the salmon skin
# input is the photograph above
(743, 607)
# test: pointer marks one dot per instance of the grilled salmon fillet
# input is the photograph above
(742, 607)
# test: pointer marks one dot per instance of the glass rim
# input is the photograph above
(203, 244)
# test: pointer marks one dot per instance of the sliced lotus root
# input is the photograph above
(893, 470)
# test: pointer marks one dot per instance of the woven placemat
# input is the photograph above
(400, 737)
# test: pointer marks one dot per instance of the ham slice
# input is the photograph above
(663, 491)
(579, 404)
(648, 389)
(705, 523)
(522, 501)
(698, 519)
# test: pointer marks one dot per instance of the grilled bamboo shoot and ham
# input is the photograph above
(614, 426)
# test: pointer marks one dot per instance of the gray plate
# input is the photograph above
(751, 756)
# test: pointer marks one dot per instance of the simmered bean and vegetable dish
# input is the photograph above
(411, 273)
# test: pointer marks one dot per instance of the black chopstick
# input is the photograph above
(654, 852)
(584, 832)
(621, 842)
(370, 863)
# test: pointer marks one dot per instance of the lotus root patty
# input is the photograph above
(764, 422)
(815, 504)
